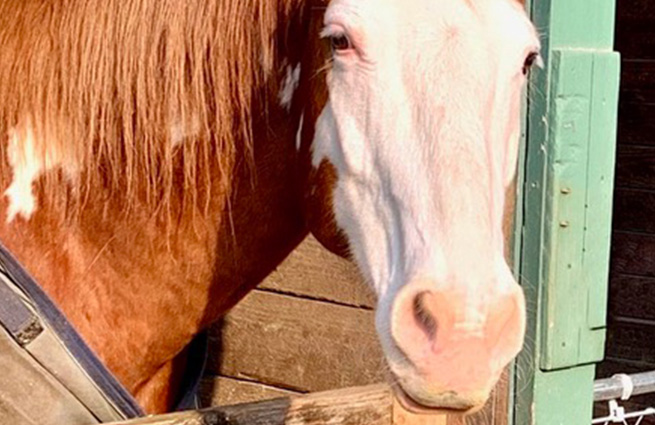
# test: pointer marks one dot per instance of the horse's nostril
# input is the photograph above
(424, 318)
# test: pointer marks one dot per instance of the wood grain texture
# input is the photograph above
(634, 210)
(632, 297)
(368, 405)
(611, 367)
(631, 342)
(635, 34)
(636, 124)
(633, 254)
(638, 81)
(312, 271)
(298, 344)
(403, 417)
(371, 405)
(308, 346)
(630, 332)
(215, 391)
(635, 167)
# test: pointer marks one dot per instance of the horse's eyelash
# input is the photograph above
(332, 31)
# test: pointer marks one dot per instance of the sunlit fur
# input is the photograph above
(125, 128)
(422, 125)
(152, 177)
(104, 83)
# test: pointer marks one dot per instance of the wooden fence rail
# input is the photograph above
(371, 405)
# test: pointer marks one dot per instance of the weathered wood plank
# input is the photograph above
(632, 297)
(296, 343)
(634, 210)
(633, 254)
(638, 81)
(632, 342)
(221, 390)
(635, 167)
(497, 409)
(635, 34)
(277, 339)
(313, 271)
(226, 391)
(403, 417)
(611, 367)
(371, 405)
(636, 124)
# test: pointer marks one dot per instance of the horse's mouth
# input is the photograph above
(447, 404)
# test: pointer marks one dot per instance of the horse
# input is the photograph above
(161, 157)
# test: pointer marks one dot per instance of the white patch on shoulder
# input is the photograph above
(289, 86)
(180, 130)
(27, 165)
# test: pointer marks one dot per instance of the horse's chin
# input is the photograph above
(447, 403)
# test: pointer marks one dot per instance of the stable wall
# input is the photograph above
(630, 343)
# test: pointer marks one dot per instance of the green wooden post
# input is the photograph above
(569, 170)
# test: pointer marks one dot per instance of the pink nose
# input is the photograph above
(458, 341)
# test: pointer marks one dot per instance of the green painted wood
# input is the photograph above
(581, 144)
(600, 193)
(582, 23)
(561, 397)
(566, 187)
(572, 110)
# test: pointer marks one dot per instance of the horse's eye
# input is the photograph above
(340, 43)
(529, 62)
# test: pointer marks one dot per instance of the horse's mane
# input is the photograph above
(104, 84)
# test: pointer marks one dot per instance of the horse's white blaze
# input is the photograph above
(28, 161)
(422, 127)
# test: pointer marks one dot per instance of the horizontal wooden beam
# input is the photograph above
(370, 405)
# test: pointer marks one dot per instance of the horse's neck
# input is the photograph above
(138, 295)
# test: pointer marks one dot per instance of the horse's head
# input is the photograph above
(413, 130)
